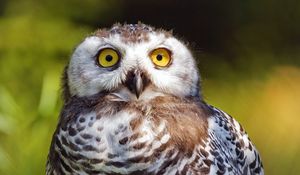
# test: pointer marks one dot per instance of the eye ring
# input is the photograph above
(107, 57)
(161, 57)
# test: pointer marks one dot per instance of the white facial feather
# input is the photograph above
(86, 78)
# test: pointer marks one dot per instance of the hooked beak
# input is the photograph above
(134, 82)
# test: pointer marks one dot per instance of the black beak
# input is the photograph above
(134, 82)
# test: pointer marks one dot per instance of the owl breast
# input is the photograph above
(131, 138)
(125, 142)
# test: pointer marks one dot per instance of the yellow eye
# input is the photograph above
(161, 57)
(108, 57)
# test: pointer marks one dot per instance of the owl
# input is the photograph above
(133, 105)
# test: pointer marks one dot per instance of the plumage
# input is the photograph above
(136, 117)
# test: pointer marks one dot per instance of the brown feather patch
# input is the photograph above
(181, 114)
(131, 33)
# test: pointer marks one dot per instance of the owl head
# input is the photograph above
(132, 62)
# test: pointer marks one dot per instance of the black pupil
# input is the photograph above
(159, 57)
(108, 58)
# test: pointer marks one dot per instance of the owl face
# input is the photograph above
(132, 62)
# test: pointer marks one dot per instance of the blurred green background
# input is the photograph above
(248, 54)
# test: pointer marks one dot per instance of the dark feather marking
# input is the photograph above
(203, 152)
(111, 156)
(116, 164)
(96, 161)
(72, 131)
(221, 167)
(123, 141)
(208, 162)
(79, 141)
(86, 136)
(66, 167)
(90, 148)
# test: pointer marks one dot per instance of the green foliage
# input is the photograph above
(25, 132)
(33, 51)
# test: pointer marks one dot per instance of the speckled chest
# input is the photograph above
(119, 143)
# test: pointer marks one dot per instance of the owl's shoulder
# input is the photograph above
(230, 145)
